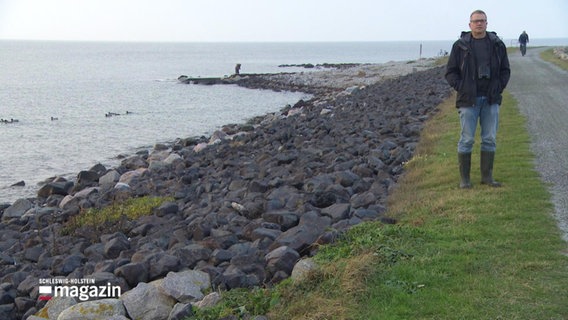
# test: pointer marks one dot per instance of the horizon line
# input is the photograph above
(247, 41)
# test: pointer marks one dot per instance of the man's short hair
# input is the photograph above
(478, 12)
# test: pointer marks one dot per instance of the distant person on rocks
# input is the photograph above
(478, 69)
(238, 69)
(523, 40)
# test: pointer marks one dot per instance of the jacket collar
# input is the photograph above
(466, 36)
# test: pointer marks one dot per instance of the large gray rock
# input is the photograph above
(302, 268)
(286, 219)
(209, 300)
(160, 264)
(147, 302)
(133, 273)
(304, 234)
(173, 159)
(85, 193)
(166, 208)
(104, 278)
(134, 163)
(132, 177)
(186, 286)
(109, 178)
(57, 187)
(56, 305)
(87, 178)
(281, 259)
(181, 311)
(17, 209)
(363, 200)
(28, 285)
(191, 254)
(114, 244)
(94, 310)
(65, 264)
(337, 211)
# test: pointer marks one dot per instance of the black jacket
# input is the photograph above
(524, 38)
(461, 70)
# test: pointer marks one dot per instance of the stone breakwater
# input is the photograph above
(249, 202)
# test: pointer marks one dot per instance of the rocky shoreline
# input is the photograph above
(247, 204)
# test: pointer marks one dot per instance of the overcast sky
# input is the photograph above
(274, 20)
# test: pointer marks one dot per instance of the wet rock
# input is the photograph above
(17, 209)
(134, 163)
(110, 178)
(20, 183)
(86, 178)
(57, 187)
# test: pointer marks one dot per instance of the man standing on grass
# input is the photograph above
(478, 69)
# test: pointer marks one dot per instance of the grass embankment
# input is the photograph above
(484, 253)
(549, 56)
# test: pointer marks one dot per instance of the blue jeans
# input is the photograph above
(488, 117)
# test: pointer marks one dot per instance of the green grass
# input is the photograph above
(238, 303)
(549, 56)
(113, 216)
(484, 253)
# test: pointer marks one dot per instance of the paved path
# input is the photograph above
(541, 89)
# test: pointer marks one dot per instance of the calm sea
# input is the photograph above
(79, 82)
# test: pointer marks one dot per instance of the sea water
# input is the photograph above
(56, 96)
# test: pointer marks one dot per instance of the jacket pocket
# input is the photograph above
(462, 99)
(496, 89)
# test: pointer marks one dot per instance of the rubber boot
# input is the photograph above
(465, 168)
(487, 158)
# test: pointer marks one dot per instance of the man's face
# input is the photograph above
(478, 24)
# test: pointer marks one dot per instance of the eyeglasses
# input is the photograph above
(478, 21)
